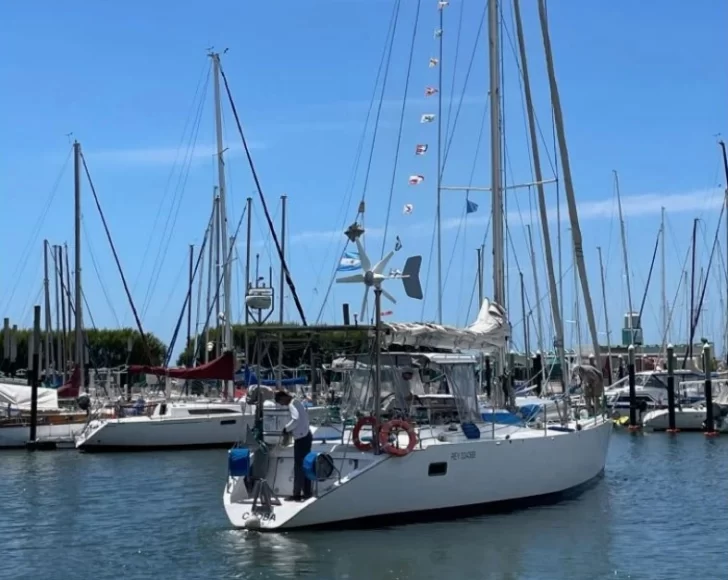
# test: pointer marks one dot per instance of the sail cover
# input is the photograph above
(488, 333)
(221, 369)
(19, 397)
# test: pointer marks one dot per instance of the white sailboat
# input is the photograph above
(410, 468)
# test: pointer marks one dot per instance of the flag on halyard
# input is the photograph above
(349, 262)
(438, 33)
(408, 208)
(470, 206)
(433, 62)
(416, 179)
(421, 149)
(387, 313)
(442, 4)
(397, 244)
(427, 118)
(429, 91)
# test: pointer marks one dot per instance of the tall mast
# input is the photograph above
(439, 173)
(58, 367)
(553, 291)
(663, 291)
(606, 316)
(625, 259)
(725, 170)
(499, 293)
(226, 338)
(210, 269)
(47, 301)
(282, 285)
(77, 259)
(568, 183)
(534, 273)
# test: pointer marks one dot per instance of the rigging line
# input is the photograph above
(649, 276)
(26, 307)
(145, 342)
(94, 263)
(401, 124)
(695, 317)
(188, 295)
(381, 99)
(429, 267)
(454, 68)
(166, 189)
(284, 265)
(355, 171)
(24, 256)
(219, 281)
(175, 206)
(450, 136)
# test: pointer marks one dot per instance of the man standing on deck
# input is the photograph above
(299, 427)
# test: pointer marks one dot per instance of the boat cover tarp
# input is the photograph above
(220, 369)
(19, 397)
(488, 333)
(70, 389)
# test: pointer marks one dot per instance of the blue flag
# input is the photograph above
(470, 206)
(349, 262)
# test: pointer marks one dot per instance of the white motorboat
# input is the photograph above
(428, 470)
(692, 418)
(182, 425)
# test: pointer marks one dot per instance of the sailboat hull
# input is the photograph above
(440, 480)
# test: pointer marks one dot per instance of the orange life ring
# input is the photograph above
(358, 443)
(387, 429)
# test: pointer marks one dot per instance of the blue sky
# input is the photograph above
(643, 92)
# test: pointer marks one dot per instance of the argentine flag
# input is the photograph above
(349, 262)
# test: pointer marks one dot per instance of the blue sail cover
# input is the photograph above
(247, 377)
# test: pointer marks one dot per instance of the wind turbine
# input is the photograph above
(373, 276)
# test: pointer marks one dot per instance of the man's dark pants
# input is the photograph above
(301, 483)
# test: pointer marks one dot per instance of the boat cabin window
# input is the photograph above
(211, 411)
(439, 468)
(163, 408)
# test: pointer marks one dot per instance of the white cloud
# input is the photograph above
(632, 206)
(156, 156)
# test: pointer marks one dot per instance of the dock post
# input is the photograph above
(488, 377)
(671, 389)
(707, 369)
(538, 372)
(633, 425)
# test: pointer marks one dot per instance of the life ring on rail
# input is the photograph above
(387, 429)
(358, 443)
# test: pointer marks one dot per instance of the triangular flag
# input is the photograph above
(427, 118)
(408, 209)
(442, 4)
(470, 206)
(429, 91)
(421, 149)
(433, 62)
(438, 33)
(416, 179)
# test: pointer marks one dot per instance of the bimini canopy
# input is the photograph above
(488, 333)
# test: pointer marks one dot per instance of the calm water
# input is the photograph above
(661, 512)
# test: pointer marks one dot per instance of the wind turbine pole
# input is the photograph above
(377, 366)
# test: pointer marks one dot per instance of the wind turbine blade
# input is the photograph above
(388, 296)
(350, 279)
(366, 265)
(379, 267)
(364, 306)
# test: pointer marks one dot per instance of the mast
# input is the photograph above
(499, 294)
(526, 341)
(69, 300)
(216, 281)
(77, 260)
(606, 316)
(725, 171)
(281, 302)
(539, 319)
(59, 350)
(226, 338)
(248, 234)
(663, 291)
(568, 183)
(210, 269)
(554, 294)
(623, 235)
(439, 174)
(48, 319)
(188, 345)
(65, 350)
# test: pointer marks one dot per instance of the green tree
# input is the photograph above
(106, 348)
